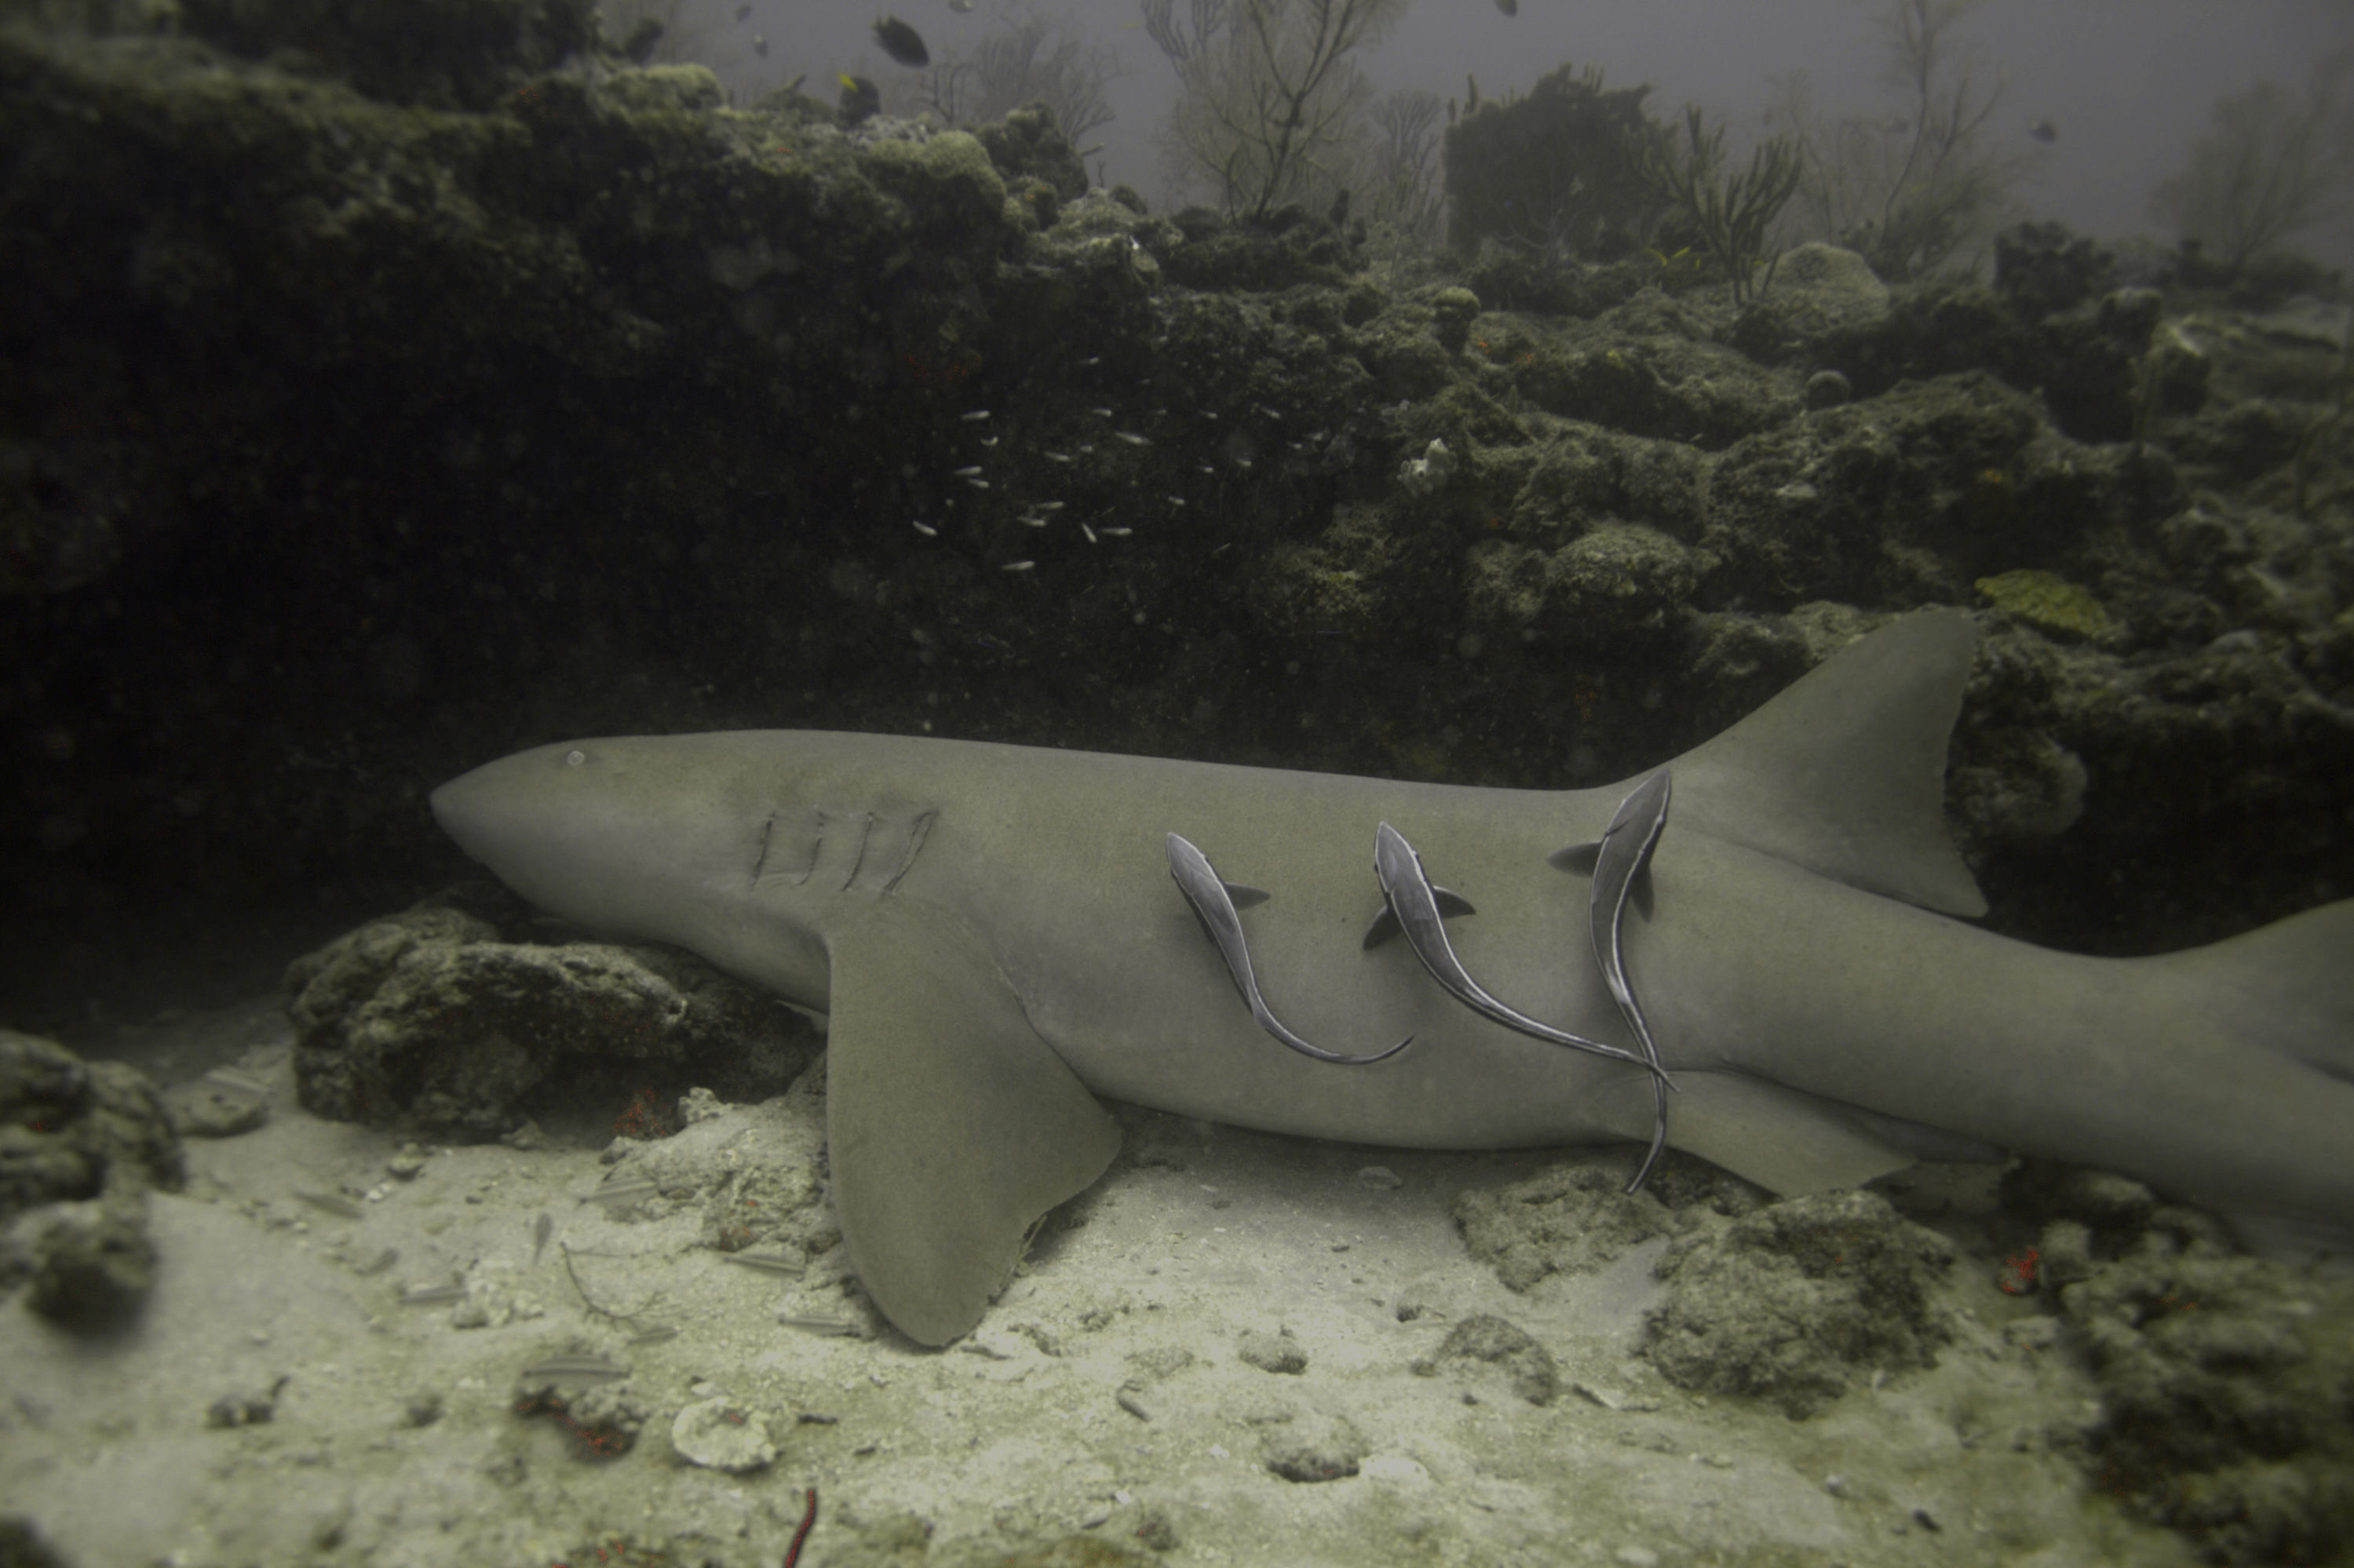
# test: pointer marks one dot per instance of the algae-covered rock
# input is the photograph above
(1027, 145)
(1816, 288)
(429, 1018)
(1570, 1219)
(453, 52)
(1310, 1445)
(72, 1130)
(1502, 1343)
(90, 1265)
(1615, 583)
(1794, 1303)
(81, 1143)
(2227, 1397)
(945, 180)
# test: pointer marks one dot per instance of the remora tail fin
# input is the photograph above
(1844, 772)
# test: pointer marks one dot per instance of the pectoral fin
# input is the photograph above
(951, 1125)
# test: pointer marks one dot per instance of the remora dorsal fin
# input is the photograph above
(1844, 772)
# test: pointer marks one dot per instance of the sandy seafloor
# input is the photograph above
(1102, 1403)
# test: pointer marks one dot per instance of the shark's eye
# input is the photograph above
(575, 758)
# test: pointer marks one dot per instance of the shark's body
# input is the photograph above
(995, 935)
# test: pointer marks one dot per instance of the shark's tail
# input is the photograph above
(2290, 985)
(2288, 988)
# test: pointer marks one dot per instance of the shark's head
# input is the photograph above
(597, 831)
(654, 837)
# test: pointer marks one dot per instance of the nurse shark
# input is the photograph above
(996, 939)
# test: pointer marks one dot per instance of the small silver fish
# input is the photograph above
(770, 1262)
(574, 1367)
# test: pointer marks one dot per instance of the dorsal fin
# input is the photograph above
(1844, 772)
(1386, 924)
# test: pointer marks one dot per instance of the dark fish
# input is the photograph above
(860, 100)
(1509, 7)
(760, 45)
(2044, 131)
(742, 11)
(961, 7)
(902, 42)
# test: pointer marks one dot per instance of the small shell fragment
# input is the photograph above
(718, 1436)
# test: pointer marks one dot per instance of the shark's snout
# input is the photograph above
(504, 806)
(462, 807)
